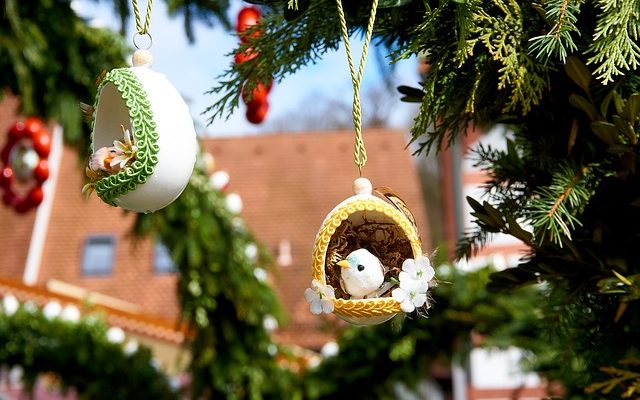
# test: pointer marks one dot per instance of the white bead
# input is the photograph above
(362, 186)
(330, 349)
(70, 313)
(142, 58)
(233, 203)
(115, 335)
(52, 310)
(220, 180)
(10, 304)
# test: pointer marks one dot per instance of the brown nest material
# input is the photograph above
(384, 239)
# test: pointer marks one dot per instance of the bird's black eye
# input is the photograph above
(360, 267)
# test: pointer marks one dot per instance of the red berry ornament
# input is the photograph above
(35, 196)
(41, 171)
(247, 17)
(257, 111)
(258, 94)
(242, 56)
(16, 131)
(42, 144)
(6, 177)
(33, 126)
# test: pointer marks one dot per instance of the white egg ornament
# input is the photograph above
(378, 224)
(145, 103)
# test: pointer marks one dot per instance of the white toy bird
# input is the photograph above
(362, 273)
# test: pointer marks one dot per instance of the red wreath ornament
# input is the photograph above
(24, 161)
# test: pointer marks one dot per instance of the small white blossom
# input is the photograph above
(125, 150)
(418, 269)
(10, 304)
(408, 295)
(320, 297)
(115, 335)
(414, 283)
(52, 310)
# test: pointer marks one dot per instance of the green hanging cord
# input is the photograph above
(142, 29)
(360, 153)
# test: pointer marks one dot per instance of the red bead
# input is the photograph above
(33, 126)
(35, 196)
(247, 17)
(6, 151)
(41, 171)
(9, 198)
(22, 206)
(42, 143)
(257, 111)
(259, 94)
(17, 131)
(247, 55)
(6, 177)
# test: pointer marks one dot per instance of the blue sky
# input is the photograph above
(193, 69)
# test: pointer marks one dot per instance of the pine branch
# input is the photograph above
(555, 208)
(615, 48)
(558, 42)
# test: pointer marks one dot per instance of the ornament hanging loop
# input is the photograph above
(138, 37)
(142, 28)
(360, 153)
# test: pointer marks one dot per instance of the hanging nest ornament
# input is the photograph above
(364, 249)
(143, 139)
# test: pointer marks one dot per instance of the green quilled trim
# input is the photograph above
(144, 133)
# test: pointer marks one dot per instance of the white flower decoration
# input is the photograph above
(409, 296)
(414, 283)
(418, 269)
(320, 297)
(125, 151)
